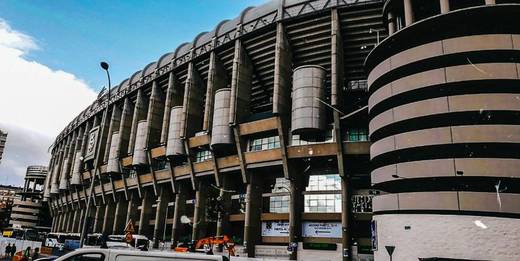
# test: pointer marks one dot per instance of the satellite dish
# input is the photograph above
(185, 220)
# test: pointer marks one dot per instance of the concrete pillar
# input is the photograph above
(108, 219)
(295, 209)
(146, 213)
(178, 210)
(74, 217)
(445, 6)
(63, 221)
(199, 214)
(223, 225)
(391, 23)
(408, 12)
(345, 214)
(131, 212)
(98, 220)
(54, 220)
(490, 2)
(78, 221)
(120, 217)
(252, 215)
(160, 216)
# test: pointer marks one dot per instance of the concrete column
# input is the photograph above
(160, 216)
(178, 210)
(108, 219)
(295, 209)
(78, 221)
(74, 217)
(146, 213)
(223, 225)
(445, 6)
(98, 221)
(391, 23)
(408, 12)
(120, 217)
(131, 212)
(490, 2)
(252, 215)
(63, 221)
(199, 214)
(345, 213)
(54, 219)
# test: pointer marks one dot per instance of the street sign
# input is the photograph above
(129, 227)
(91, 144)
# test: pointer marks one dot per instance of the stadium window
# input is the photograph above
(203, 155)
(316, 201)
(357, 134)
(266, 143)
(279, 204)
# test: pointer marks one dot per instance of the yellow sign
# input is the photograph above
(7, 233)
(129, 227)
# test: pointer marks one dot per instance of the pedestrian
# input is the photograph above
(13, 250)
(161, 245)
(7, 251)
(36, 254)
(27, 252)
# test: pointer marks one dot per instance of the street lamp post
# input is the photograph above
(86, 220)
(377, 33)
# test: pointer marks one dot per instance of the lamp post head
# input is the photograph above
(104, 65)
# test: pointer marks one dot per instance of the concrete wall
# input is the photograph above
(449, 236)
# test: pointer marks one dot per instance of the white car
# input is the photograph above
(98, 254)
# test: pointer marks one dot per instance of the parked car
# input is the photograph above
(102, 254)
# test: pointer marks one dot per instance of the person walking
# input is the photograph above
(7, 252)
(13, 250)
(36, 254)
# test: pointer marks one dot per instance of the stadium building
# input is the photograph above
(259, 130)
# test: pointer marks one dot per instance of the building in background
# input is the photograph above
(3, 140)
(8, 194)
(29, 211)
(444, 121)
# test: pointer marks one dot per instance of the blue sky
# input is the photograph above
(50, 52)
(74, 36)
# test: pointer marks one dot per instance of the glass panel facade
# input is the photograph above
(266, 143)
(316, 200)
(203, 155)
(280, 204)
(357, 134)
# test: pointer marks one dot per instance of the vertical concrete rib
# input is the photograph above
(168, 104)
(146, 213)
(252, 215)
(199, 215)
(139, 114)
(160, 217)
(120, 216)
(192, 110)
(108, 219)
(178, 211)
(217, 79)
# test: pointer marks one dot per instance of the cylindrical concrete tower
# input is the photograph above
(221, 134)
(174, 146)
(308, 112)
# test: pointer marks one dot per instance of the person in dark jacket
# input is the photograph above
(8, 251)
(13, 250)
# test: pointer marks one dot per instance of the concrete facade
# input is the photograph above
(443, 113)
(3, 140)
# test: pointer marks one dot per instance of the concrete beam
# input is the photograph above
(217, 79)
(120, 216)
(139, 113)
(178, 211)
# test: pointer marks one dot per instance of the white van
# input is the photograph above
(98, 254)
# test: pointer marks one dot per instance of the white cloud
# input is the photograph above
(33, 96)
